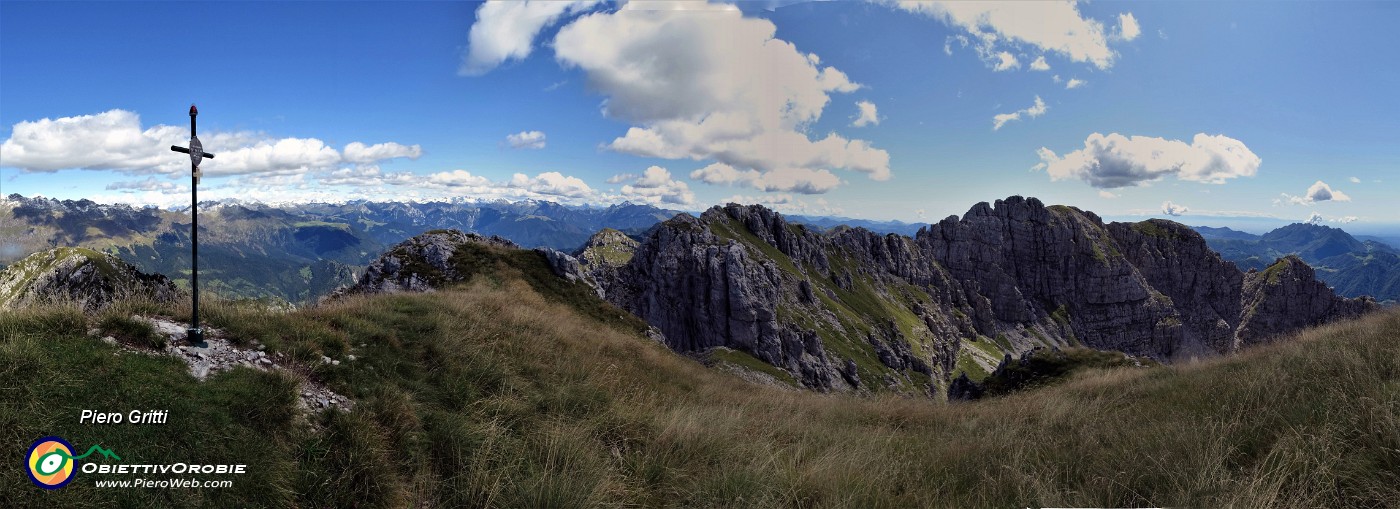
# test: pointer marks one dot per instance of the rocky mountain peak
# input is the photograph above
(1313, 241)
(607, 248)
(1287, 296)
(91, 278)
(422, 263)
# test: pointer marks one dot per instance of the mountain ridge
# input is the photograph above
(849, 309)
(1353, 267)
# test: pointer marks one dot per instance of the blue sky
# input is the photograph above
(1239, 114)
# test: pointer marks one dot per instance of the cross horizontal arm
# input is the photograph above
(186, 151)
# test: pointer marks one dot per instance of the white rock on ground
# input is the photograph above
(222, 355)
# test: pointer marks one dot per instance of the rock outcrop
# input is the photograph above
(597, 262)
(90, 278)
(850, 309)
(831, 309)
(421, 263)
(1286, 297)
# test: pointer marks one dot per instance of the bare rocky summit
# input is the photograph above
(90, 278)
(421, 263)
(1287, 296)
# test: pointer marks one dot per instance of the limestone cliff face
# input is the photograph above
(850, 309)
(1287, 296)
(1020, 263)
(1202, 288)
(840, 311)
(88, 277)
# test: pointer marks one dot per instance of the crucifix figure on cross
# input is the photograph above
(196, 151)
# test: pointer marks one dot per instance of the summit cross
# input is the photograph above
(195, 335)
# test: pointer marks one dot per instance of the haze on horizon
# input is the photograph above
(1224, 115)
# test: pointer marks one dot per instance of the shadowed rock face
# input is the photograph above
(850, 308)
(91, 278)
(1286, 297)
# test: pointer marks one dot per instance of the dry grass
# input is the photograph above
(1311, 422)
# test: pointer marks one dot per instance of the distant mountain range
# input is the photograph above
(1352, 266)
(827, 223)
(294, 253)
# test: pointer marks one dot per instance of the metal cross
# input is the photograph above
(194, 335)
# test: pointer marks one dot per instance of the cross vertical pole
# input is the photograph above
(195, 335)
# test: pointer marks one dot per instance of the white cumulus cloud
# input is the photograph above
(459, 178)
(1074, 83)
(115, 140)
(1032, 111)
(533, 140)
(796, 180)
(359, 153)
(1128, 28)
(284, 156)
(1173, 209)
(656, 186)
(867, 114)
(1040, 64)
(1320, 191)
(1316, 193)
(1050, 26)
(366, 176)
(621, 177)
(714, 85)
(111, 140)
(1114, 160)
(552, 183)
(1005, 61)
(1315, 218)
(506, 30)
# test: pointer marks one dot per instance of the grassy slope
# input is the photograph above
(494, 395)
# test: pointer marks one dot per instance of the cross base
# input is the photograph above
(195, 336)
